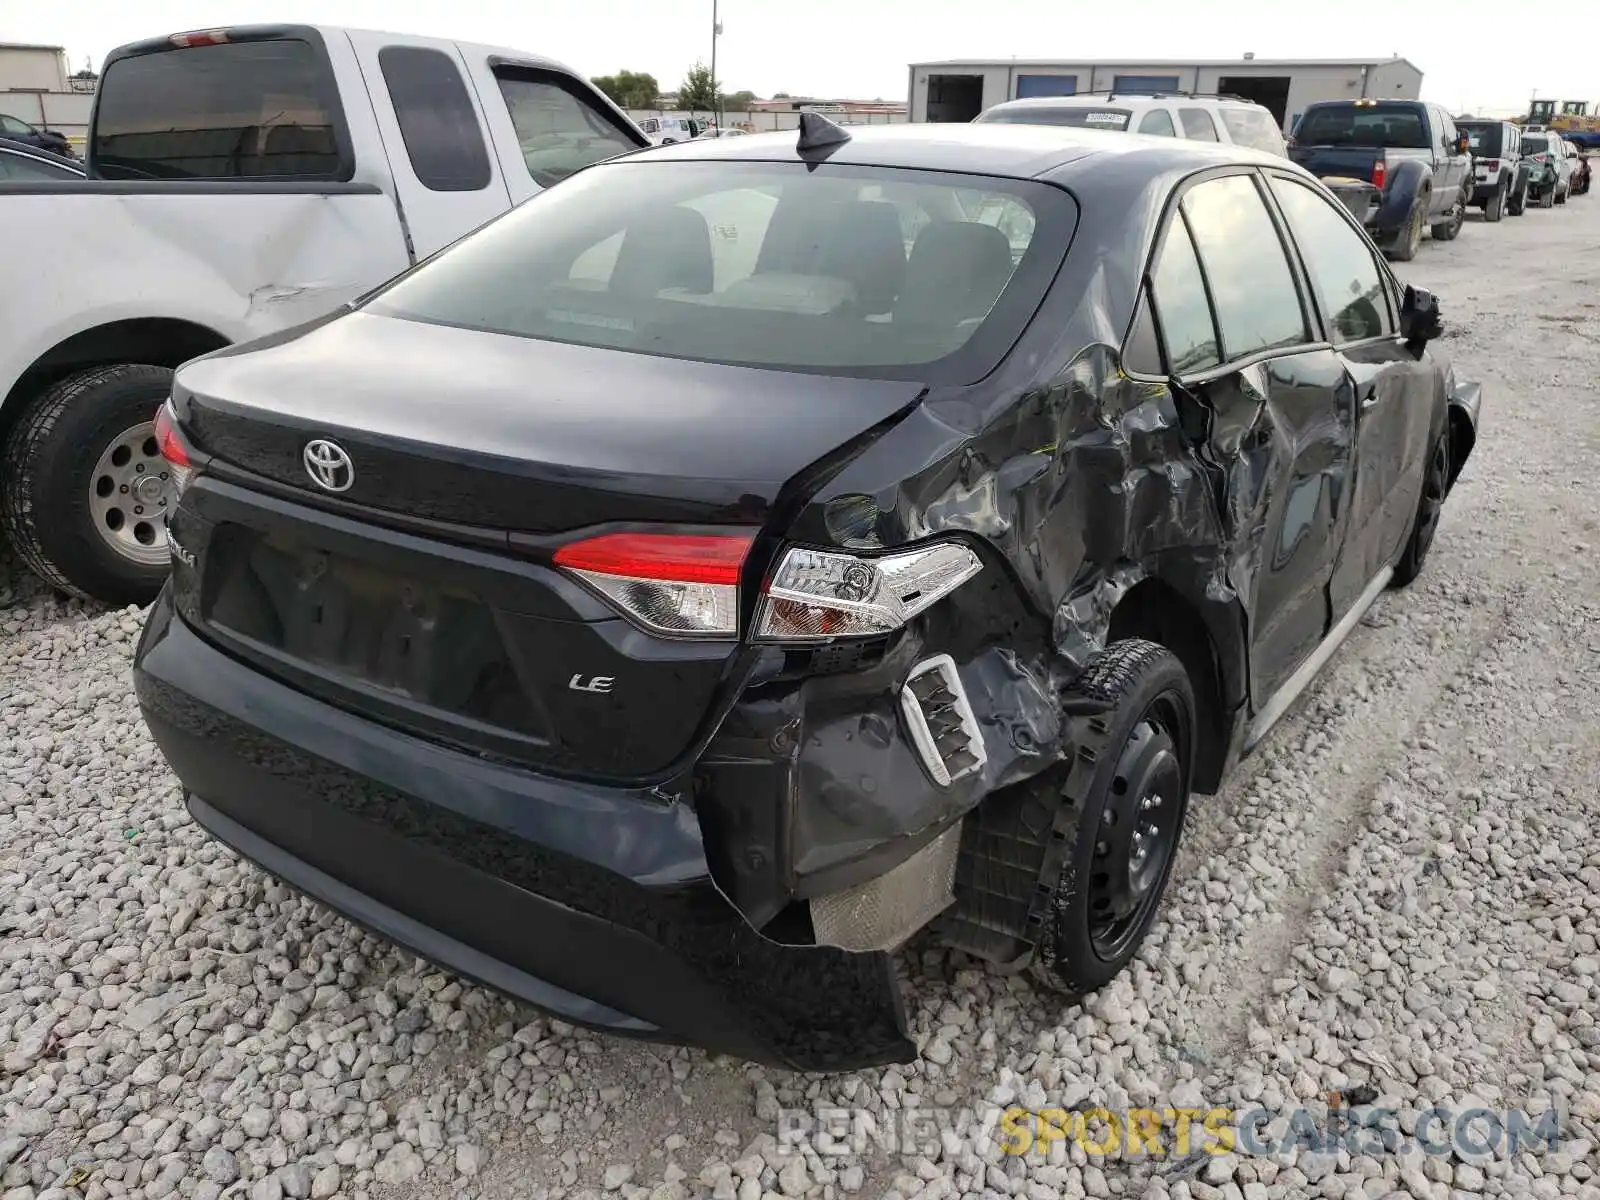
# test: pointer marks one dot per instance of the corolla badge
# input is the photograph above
(328, 465)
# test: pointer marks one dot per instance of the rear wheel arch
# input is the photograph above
(147, 341)
(1156, 611)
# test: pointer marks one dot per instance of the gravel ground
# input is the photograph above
(1401, 891)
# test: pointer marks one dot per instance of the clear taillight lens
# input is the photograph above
(170, 442)
(816, 595)
(680, 585)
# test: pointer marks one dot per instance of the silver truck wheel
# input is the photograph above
(82, 497)
(129, 492)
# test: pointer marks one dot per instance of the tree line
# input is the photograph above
(697, 93)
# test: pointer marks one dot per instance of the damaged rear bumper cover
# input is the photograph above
(595, 905)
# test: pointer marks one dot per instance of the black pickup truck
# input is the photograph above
(1418, 163)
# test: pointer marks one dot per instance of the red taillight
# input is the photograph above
(1380, 172)
(669, 557)
(171, 445)
(200, 37)
(679, 584)
(1538, 158)
(1491, 164)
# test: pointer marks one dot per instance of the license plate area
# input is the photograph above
(424, 643)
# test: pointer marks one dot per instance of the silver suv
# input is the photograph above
(1164, 114)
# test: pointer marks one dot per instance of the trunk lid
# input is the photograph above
(346, 596)
(514, 433)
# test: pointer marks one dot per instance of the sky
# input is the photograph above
(859, 49)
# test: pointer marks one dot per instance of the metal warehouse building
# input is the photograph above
(959, 91)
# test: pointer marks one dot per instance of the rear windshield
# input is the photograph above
(1381, 127)
(254, 110)
(1484, 139)
(848, 270)
(1080, 117)
(1254, 128)
(1535, 145)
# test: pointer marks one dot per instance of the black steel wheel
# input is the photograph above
(1430, 507)
(1122, 832)
(1450, 227)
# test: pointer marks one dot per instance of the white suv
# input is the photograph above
(1199, 118)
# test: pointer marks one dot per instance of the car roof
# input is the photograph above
(1011, 151)
(24, 150)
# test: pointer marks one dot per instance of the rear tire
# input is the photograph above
(51, 468)
(1547, 198)
(1409, 240)
(1435, 485)
(1496, 208)
(1121, 836)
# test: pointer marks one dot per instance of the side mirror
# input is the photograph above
(1419, 317)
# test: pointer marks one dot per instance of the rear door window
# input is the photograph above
(1198, 125)
(1252, 285)
(559, 128)
(1254, 128)
(241, 110)
(22, 167)
(1182, 306)
(438, 123)
(1158, 123)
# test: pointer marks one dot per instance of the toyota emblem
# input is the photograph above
(328, 465)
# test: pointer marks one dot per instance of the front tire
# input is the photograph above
(1435, 485)
(1561, 195)
(1447, 230)
(1122, 833)
(85, 490)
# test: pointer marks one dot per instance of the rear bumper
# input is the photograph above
(595, 904)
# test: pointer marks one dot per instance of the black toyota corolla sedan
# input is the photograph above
(667, 601)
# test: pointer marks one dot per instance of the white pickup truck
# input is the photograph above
(241, 181)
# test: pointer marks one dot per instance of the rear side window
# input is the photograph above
(437, 121)
(242, 110)
(1254, 128)
(1252, 286)
(1182, 306)
(1484, 140)
(843, 270)
(559, 128)
(1343, 271)
(1379, 126)
(1198, 125)
(1157, 122)
(1079, 117)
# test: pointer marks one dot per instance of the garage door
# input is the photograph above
(1144, 83)
(1046, 85)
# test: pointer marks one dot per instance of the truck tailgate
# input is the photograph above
(1337, 162)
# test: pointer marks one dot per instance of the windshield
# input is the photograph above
(1081, 117)
(1386, 127)
(1484, 139)
(849, 270)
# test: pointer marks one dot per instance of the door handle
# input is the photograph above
(1369, 399)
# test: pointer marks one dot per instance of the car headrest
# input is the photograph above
(956, 272)
(668, 248)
